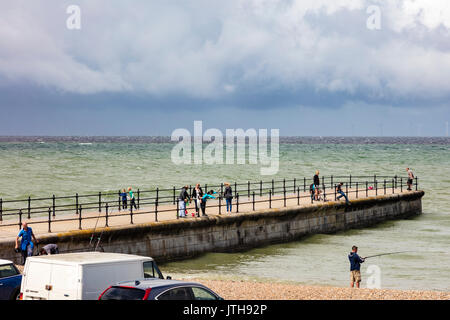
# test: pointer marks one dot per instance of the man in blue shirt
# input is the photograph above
(355, 265)
(26, 245)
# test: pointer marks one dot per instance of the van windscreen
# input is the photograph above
(123, 293)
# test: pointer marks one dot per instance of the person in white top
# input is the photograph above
(410, 178)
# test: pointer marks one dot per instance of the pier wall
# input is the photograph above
(185, 238)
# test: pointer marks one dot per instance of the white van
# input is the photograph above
(81, 276)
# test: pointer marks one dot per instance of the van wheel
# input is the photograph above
(15, 295)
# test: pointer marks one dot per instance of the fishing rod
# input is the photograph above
(93, 232)
(385, 254)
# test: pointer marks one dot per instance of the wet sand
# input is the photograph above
(242, 290)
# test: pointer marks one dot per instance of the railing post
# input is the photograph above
(260, 188)
(76, 204)
(106, 214)
(235, 189)
(294, 185)
(374, 179)
(331, 183)
(401, 184)
(253, 200)
(20, 219)
(79, 217)
(304, 184)
(174, 195)
(237, 202)
(384, 186)
(1, 209)
(346, 188)
(178, 209)
(273, 187)
(221, 189)
(350, 181)
(298, 196)
(395, 181)
(248, 189)
(54, 206)
(156, 204)
(220, 204)
(335, 198)
(29, 207)
(270, 199)
(131, 214)
(284, 196)
(49, 219)
(376, 187)
(324, 192)
(417, 182)
(393, 186)
(356, 189)
(284, 185)
(139, 199)
(367, 188)
(119, 201)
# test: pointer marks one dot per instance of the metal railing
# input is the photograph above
(286, 189)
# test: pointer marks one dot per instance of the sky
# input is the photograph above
(307, 68)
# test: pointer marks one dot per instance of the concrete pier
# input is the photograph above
(172, 239)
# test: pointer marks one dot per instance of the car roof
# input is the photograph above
(81, 258)
(3, 261)
(155, 283)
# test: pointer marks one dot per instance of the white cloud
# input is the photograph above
(208, 49)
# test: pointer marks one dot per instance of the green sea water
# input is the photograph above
(63, 168)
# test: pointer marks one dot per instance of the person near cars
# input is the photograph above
(49, 249)
(228, 195)
(183, 198)
(26, 236)
(355, 266)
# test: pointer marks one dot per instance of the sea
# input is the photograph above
(42, 166)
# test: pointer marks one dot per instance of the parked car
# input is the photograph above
(10, 279)
(157, 289)
(82, 275)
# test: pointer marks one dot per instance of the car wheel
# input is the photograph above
(15, 295)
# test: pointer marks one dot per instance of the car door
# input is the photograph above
(203, 294)
(10, 279)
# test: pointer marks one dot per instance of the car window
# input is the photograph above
(182, 293)
(8, 270)
(122, 293)
(202, 294)
(149, 270)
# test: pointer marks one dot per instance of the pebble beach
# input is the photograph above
(250, 290)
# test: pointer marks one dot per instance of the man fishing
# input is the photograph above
(355, 265)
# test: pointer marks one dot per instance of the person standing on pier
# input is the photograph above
(197, 195)
(205, 198)
(26, 245)
(410, 178)
(355, 266)
(182, 200)
(316, 182)
(124, 199)
(228, 195)
(132, 199)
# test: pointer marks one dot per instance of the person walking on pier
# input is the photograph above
(196, 196)
(316, 182)
(26, 243)
(228, 195)
(355, 266)
(123, 194)
(410, 178)
(183, 198)
(205, 198)
(132, 199)
(342, 193)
